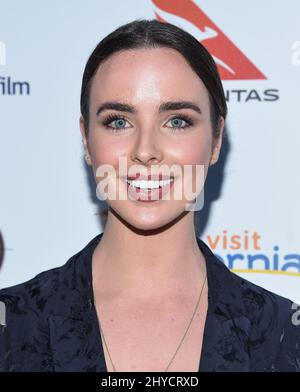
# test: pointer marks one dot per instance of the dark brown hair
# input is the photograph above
(143, 33)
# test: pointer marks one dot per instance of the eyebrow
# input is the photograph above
(165, 106)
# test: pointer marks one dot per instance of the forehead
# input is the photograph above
(147, 74)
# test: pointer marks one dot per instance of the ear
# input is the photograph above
(84, 141)
(217, 143)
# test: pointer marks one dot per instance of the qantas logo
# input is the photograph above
(231, 62)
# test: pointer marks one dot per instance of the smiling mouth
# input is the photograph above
(150, 185)
(148, 191)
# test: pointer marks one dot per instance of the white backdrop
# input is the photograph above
(48, 206)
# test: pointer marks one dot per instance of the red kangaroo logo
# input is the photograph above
(231, 62)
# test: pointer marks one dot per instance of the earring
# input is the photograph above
(88, 159)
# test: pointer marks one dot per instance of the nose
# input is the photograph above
(146, 149)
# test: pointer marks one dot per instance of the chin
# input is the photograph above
(148, 217)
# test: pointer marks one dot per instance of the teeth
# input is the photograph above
(149, 184)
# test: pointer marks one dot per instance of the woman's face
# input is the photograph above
(148, 135)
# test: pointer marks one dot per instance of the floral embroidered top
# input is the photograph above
(51, 323)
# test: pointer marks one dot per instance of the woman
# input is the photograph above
(147, 294)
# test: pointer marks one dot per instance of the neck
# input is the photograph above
(139, 263)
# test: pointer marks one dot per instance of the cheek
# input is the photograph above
(105, 151)
(194, 156)
(196, 150)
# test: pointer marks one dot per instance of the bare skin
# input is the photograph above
(148, 269)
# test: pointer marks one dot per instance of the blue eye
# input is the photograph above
(177, 121)
(119, 121)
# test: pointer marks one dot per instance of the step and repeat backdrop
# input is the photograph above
(48, 204)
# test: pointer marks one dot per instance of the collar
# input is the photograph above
(74, 329)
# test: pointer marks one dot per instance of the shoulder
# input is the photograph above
(275, 327)
(24, 311)
(41, 292)
(259, 301)
(265, 324)
(35, 294)
(269, 323)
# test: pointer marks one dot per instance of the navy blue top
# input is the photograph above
(52, 325)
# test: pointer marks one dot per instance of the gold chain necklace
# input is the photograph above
(180, 341)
